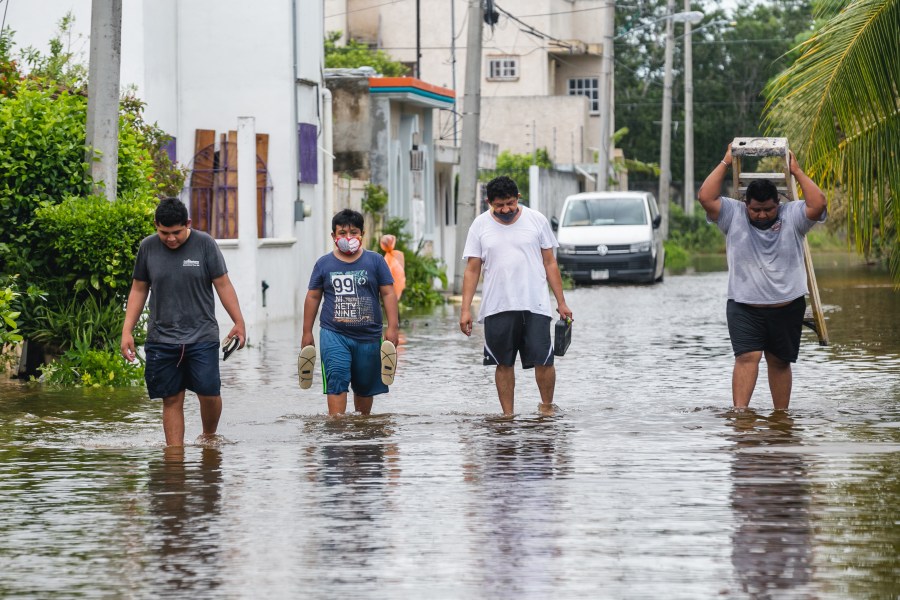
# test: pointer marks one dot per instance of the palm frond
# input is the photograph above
(839, 107)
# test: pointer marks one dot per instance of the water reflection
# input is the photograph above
(770, 496)
(353, 460)
(512, 465)
(185, 501)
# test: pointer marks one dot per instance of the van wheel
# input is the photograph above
(661, 277)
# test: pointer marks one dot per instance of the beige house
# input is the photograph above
(540, 66)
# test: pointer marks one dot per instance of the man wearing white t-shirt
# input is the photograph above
(515, 246)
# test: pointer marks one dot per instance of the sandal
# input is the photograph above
(306, 365)
(388, 362)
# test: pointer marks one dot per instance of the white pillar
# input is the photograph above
(245, 273)
(326, 244)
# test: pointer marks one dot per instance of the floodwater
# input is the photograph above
(643, 485)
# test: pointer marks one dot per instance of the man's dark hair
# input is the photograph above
(171, 212)
(348, 217)
(501, 187)
(761, 190)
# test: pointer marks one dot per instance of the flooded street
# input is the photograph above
(643, 485)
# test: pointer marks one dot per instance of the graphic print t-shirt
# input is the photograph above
(351, 305)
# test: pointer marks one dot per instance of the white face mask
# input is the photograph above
(347, 245)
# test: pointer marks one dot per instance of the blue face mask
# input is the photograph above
(506, 217)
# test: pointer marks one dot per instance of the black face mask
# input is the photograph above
(507, 217)
(767, 224)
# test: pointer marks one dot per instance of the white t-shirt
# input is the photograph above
(514, 274)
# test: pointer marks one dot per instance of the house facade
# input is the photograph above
(540, 66)
(383, 134)
(240, 90)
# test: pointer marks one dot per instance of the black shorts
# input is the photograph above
(775, 330)
(172, 368)
(517, 331)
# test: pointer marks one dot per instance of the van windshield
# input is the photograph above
(605, 211)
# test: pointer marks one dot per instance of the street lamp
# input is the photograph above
(665, 150)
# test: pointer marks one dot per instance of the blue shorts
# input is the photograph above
(172, 368)
(349, 363)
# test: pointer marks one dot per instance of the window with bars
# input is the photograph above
(503, 68)
(587, 86)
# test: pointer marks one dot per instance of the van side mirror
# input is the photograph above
(657, 221)
(554, 223)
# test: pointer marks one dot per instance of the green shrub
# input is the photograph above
(421, 269)
(91, 243)
(693, 233)
(42, 156)
(9, 329)
(87, 321)
(85, 366)
(677, 258)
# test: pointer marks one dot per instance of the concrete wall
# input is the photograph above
(561, 124)
(552, 189)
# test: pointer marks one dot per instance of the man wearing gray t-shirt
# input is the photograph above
(181, 266)
(766, 275)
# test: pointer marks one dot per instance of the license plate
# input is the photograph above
(599, 274)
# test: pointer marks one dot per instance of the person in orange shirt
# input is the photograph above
(396, 262)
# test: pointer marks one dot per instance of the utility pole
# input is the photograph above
(467, 201)
(102, 128)
(665, 151)
(418, 41)
(453, 70)
(689, 193)
(605, 93)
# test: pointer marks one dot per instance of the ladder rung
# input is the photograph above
(762, 146)
(752, 176)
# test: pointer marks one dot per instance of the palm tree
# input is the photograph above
(839, 105)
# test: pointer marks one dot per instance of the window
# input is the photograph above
(505, 68)
(587, 86)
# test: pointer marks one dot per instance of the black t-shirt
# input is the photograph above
(182, 306)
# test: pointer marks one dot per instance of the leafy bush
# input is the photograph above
(92, 243)
(42, 156)
(9, 329)
(421, 269)
(693, 233)
(677, 258)
(85, 366)
(87, 321)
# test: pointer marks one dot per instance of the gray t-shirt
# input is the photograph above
(182, 306)
(765, 266)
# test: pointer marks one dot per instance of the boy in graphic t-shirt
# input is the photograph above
(351, 279)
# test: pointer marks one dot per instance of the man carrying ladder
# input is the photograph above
(767, 275)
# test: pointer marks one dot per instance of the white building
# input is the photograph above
(540, 67)
(225, 76)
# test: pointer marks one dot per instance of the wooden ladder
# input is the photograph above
(761, 147)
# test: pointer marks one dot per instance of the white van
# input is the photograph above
(610, 236)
